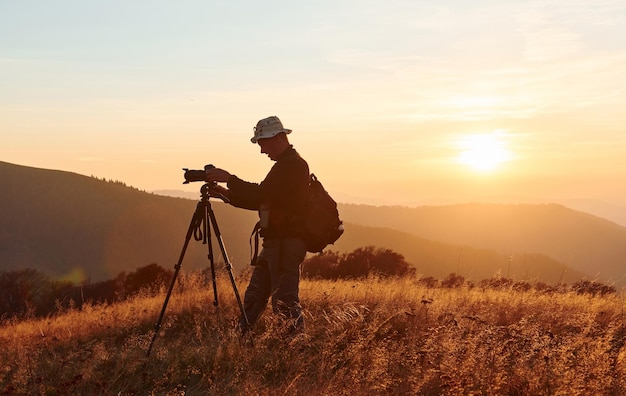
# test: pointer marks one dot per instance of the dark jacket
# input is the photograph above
(283, 191)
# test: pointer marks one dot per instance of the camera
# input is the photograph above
(196, 175)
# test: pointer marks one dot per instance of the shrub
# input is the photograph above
(360, 263)
(593, 288)
(453, 281)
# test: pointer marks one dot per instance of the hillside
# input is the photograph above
(363, 337)
(439, 259)
(64, 223)
(584, 242)
(67, 224)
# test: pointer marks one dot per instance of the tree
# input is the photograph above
(390, 263)
(453, 281)
(356, 264)
(28, 292)
(359, 263)
(322, 266)
(151, 277)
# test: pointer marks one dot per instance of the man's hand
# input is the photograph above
(217, 175)
(220, 192)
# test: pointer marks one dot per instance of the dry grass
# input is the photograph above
(362, 337)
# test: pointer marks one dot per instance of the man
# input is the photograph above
(280, 199)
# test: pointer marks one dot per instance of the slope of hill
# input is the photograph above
(584, 242)
(439, 259)
(363, 337)
(64, 223)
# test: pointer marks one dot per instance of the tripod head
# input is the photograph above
(209, 190)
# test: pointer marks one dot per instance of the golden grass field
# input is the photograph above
(369, 337)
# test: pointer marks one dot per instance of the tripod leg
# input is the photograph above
(229, 267)
(193, 224)
(207, 232)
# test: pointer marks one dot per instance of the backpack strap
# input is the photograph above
(255, 234)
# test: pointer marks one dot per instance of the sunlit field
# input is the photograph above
(376, 336)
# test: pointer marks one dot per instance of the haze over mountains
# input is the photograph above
(583, 242)
(80, 227)
(596, 207)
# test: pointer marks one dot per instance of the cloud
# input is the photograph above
(516, 60)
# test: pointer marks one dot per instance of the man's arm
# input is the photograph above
(244, 194)
(240, 193)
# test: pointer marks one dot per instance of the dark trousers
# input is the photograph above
(276, 275)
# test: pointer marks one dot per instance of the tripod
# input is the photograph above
(200, 226)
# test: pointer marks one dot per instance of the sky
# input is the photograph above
(391, 102)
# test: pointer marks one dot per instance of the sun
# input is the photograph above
(483, 152)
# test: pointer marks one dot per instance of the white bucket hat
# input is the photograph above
(267, 128)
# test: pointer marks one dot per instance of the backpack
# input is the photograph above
(322, 226)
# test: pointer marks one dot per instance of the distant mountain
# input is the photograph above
(62, 223)
(584, 242)
(611, 212)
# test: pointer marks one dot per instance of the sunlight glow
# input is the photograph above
(483, 152)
